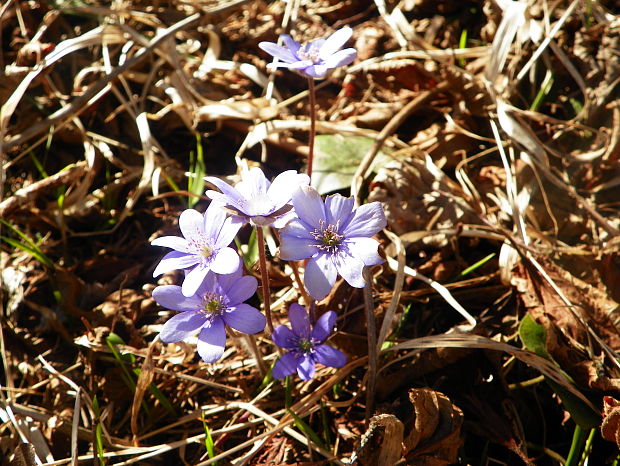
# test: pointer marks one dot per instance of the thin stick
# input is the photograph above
(372, 345)
(262, 259)
(312, 126)
(260, 362)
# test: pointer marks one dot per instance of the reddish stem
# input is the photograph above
(262, 260)
(312, 126)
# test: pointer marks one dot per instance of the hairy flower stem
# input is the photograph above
(262, 259)
(372, 345)
(300, 283)
(312, 126)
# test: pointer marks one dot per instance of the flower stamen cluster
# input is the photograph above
(214, 304)
(327, 236)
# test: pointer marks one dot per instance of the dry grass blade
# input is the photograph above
(474, 341)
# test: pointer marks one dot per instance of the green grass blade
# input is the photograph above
(478, 264)
(307, 430)
(34, 252)
(98, 432)
(209, 444)
(195, 183)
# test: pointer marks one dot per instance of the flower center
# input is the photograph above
(305, 345)
(310, 52)
(201, 246)
(213, 304)
(328, 237)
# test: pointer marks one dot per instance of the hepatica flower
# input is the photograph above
(305, 344)
(254, 199)
(203, 248)
(218, 302)
(335, 236)
(315, 58)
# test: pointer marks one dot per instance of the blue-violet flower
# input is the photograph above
(254, 199)
(305, 344)
(315, 58)
(203, 248)
(335, 236)
(218, 301)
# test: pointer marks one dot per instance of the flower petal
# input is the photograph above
(317, 71)
(230, 193)
(300, 322)
(324, 326)
(225, 261)
(329, 356)
(191, 223)
(309, 206)
(238, 288)
(320, 276)
(174, 242)
(341, 58)
(175, 260)
(213, 221)
(349, 267)
(293, 248)
(365, 249)
(290, 43)
(245, 318)
(306, 367)
(284, 337)
(253, 183)
(181, 326)
(212, 340)
(228, 230)
(284, 185)
(367, 220)
(339, 209)
(285, 365)
(335, 42)
(278, 51)
(193, 280)
(170, 297)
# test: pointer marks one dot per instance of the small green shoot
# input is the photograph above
(26, 245)
(324, 418)
(98, 432)
(463, 45)
(478, 264)
(577, 447)
(544, 90)
(306, 429)
(399, 327)
(249, 252)
(534, 337)
(113, 340)
(288, 392)
(209, 444)
(195, 184)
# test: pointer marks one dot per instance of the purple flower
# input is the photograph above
(315, 58)
(335, 236)
(305, 344)
(254, 199)
(217, 302)
(203, 248)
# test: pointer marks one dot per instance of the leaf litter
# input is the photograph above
(489, 133)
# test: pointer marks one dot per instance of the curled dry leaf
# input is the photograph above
(433, 426)
(610, 428)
